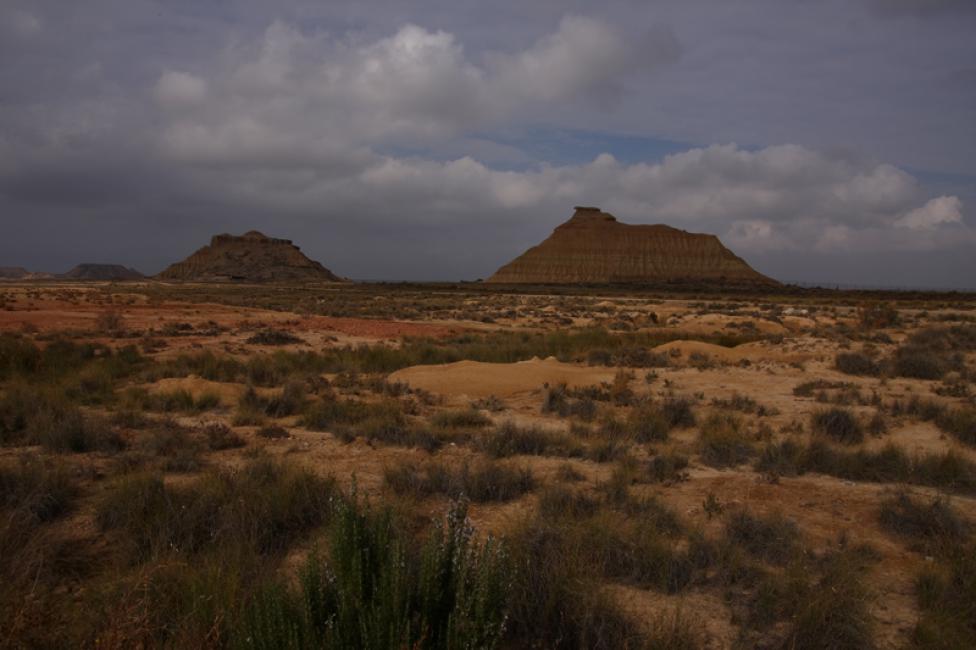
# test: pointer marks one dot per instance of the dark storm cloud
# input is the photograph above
(921, 7)
(387, 139)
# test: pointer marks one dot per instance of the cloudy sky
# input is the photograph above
(828, 141)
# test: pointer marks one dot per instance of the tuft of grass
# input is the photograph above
(932, 521)
(273, 432)
(220, 436)
(329, 412)
(722, 442)
(66, 429)
(273, 337)
(856, 363)
(772, 538)
(834, 613)
(263, 507)
(959, 423)
(481, 482)
(838, 424)
(42, 490)
(947, 597)
(890, 464)
(461, 419)
(509, 439)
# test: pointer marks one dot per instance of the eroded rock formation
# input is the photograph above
(114, 272)
(594, 248)
(252, 257)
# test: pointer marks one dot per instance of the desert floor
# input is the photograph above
(699, 470)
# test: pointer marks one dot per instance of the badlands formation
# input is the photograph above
(112, 272)
(252, 257)
(594, 248)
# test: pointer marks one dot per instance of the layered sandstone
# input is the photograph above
(113, 272)
(252, 257)
(594, 248)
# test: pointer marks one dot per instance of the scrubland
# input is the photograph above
(377, 467)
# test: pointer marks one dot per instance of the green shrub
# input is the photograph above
(375, 592)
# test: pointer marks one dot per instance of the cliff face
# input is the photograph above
(252, 257)
(102, 272)
(594, 248)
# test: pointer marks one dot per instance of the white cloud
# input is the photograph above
(936, 212)
(414, 86)
(778, 198)
(179, 90)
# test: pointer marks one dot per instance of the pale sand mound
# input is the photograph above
(229, 393)
(479, 379)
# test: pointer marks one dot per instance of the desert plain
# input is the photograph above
(233, 465)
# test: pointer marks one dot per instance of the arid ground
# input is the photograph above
(284, 466)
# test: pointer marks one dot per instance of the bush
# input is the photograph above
(484, 481)
(835, 612)
(722, 442)
(772, 538)
(68, 430)
(960, 424)
(263, 508)
(947, 598)
(374, 592)
(510, 439)
(932, 521)
(43, 490)
(919, 363)
(888, 465)
(856, 363)
(677, 412)
(838, 424)
(461, 419)
(273, 337)
(329, 412)
(220, 436)
(290, 401)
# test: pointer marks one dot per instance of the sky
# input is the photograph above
(824, 141)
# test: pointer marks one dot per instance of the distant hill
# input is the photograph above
(13, 272)
(594, 248)
(251, 257)
(102, 272)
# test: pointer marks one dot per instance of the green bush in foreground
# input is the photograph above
(374, 592)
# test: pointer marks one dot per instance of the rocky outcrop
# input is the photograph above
(594, 248)
(112, 272)
(252, 257)
(13, 272)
